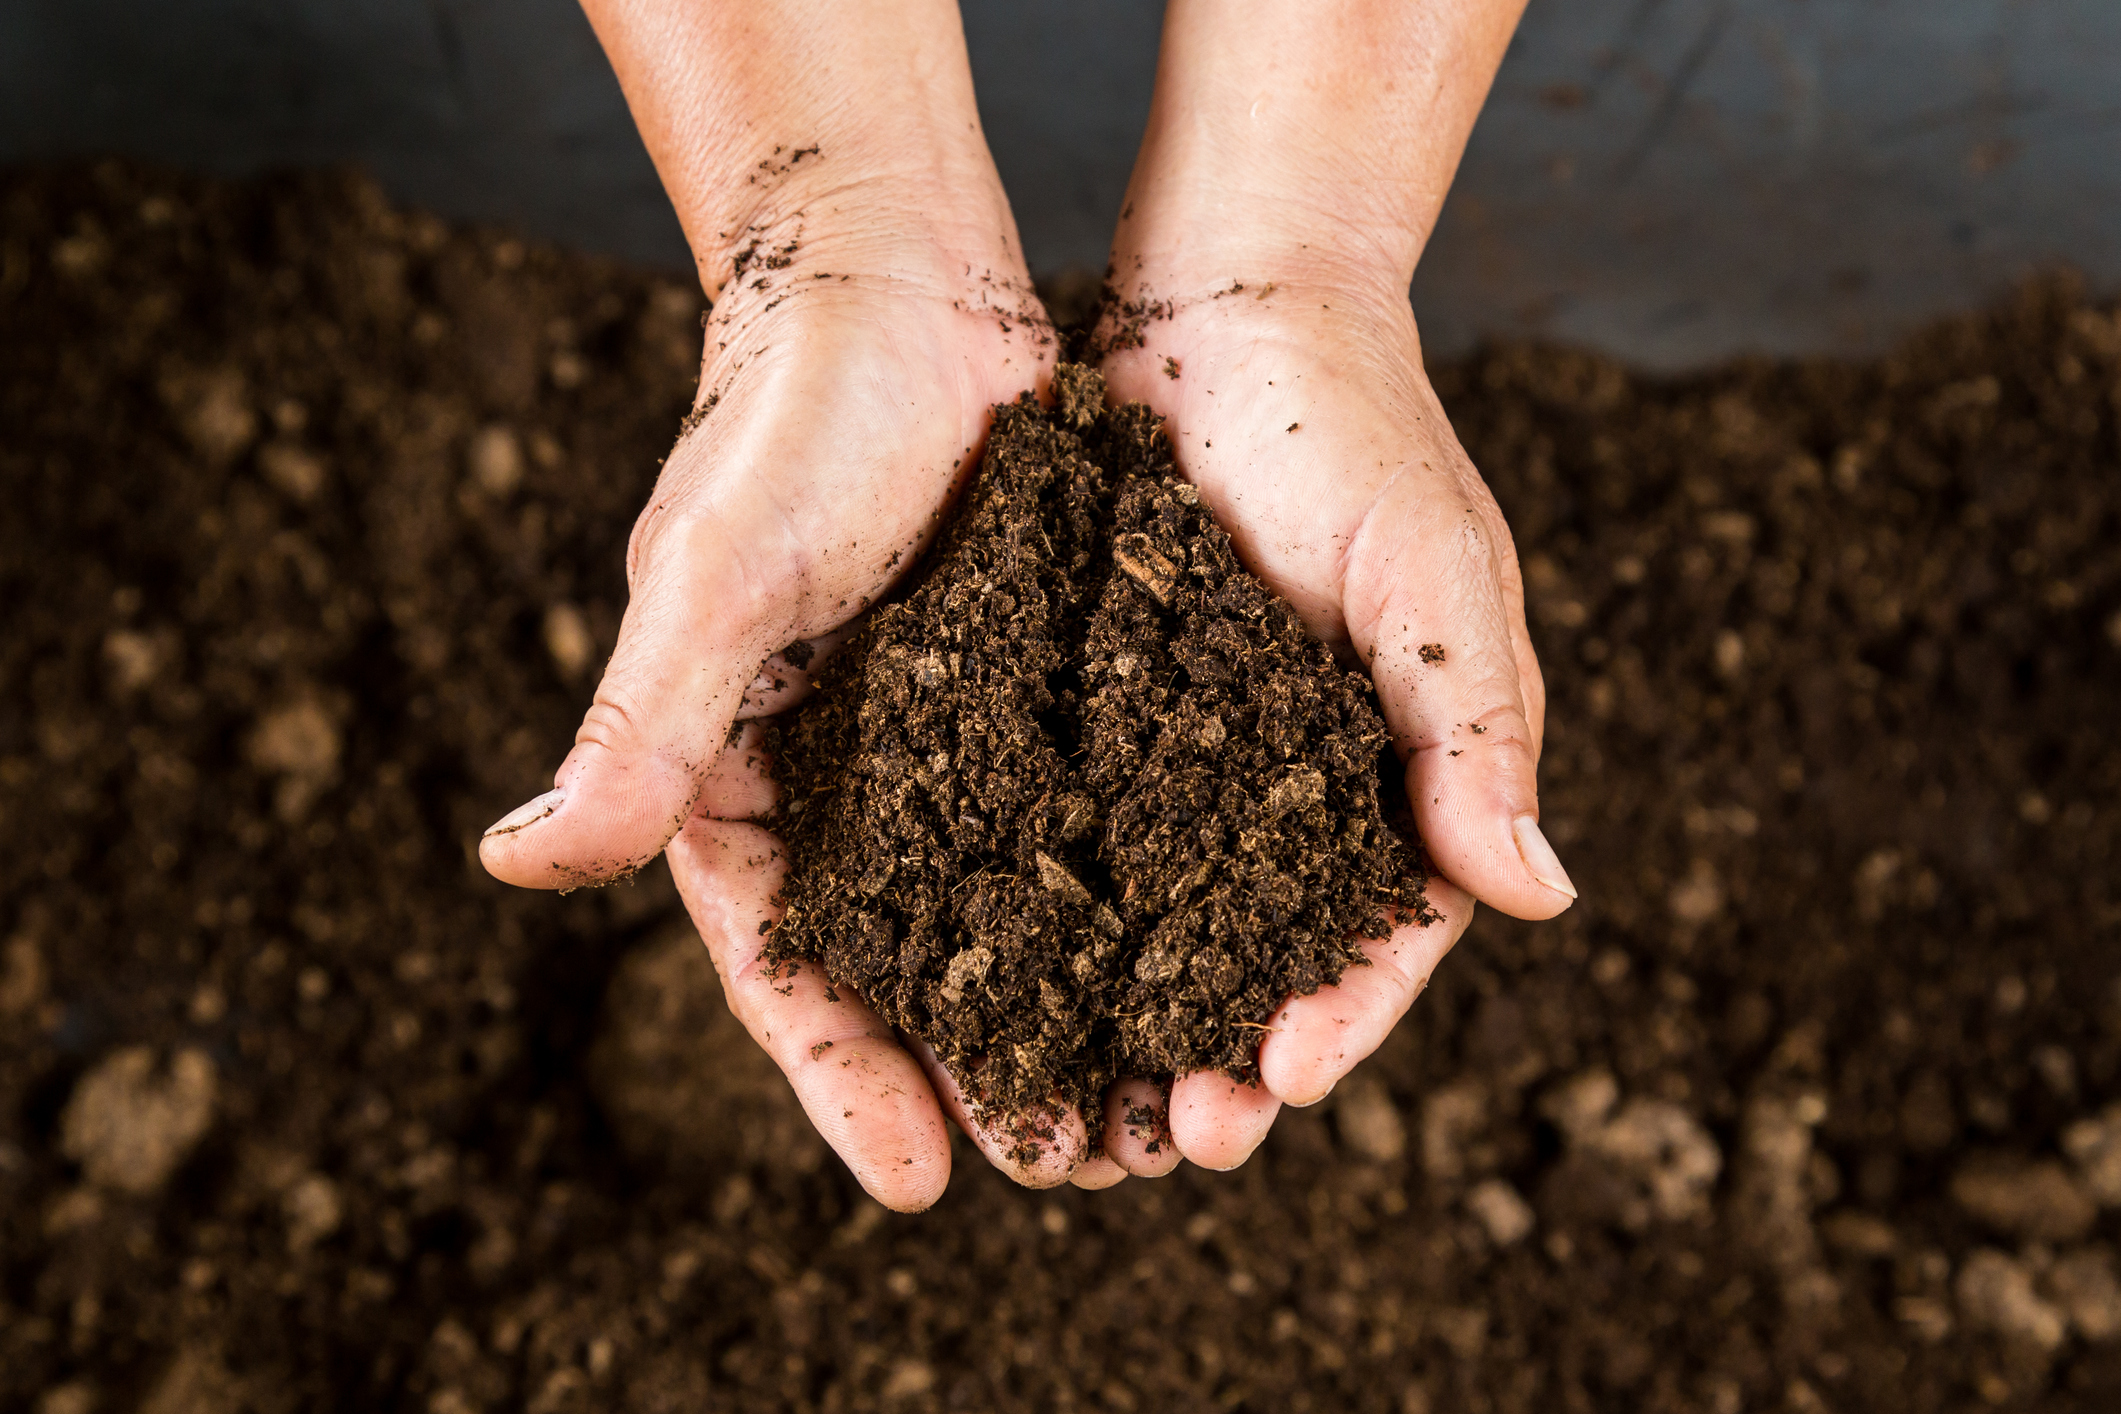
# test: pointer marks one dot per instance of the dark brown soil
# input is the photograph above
(1089, 801)
(313, 538)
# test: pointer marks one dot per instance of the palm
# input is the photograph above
(1312, 431)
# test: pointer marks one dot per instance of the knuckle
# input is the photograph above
(637, 538)
(1503, 728)
(749, 982)
(1475, 542)
(1403, 981)
(614, 722)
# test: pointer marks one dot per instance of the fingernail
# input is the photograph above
(1539, 856)
(526, 814)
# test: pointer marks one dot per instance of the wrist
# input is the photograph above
(1199, 255)
(778, 121)
(899, 209)
(1213, 201)
(1293, 136)
(1199, 238)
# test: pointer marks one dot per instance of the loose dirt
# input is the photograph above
(1089, 801)
(313, 540)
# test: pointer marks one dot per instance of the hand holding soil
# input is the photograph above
(813, 480)
(1302, 413)
(1257, 298)
(871, 303)
(1089, 801)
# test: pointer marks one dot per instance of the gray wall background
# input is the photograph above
(1674, 181)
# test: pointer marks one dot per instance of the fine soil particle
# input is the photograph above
(1784, 1114)
(1089, 801)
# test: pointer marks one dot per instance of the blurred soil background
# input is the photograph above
(311, 550)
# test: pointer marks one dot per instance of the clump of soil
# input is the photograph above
(1090, 800)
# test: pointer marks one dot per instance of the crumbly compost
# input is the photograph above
(1090, 800)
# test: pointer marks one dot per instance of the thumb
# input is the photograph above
(1461, 692)
(703, 613)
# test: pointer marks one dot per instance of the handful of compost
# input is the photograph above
(1089, 801)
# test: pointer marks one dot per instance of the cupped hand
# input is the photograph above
(1301, 410)
(846, 385)
(846, 388)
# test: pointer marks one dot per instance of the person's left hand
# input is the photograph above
(1301, 410)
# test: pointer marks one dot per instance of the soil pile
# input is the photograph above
(316, 523)
(1089, 801)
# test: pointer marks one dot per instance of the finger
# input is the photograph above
(1038, 1150)
(782, 684)
(740, 785)
(713, 592)
(1138, 1128)
(1429, 612)
(865, 1094)
(1313, 1041)
(1217, 1122)
(1097, 1172)
(1531, 682)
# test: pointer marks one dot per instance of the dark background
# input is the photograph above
(1673, 181)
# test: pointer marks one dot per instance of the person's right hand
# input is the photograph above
(846, 386)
